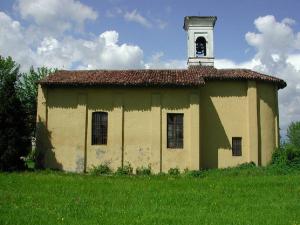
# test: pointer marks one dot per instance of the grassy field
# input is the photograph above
(218, 197)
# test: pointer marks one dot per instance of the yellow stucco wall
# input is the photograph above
(223, 116)
(268, 127)
(137, 126)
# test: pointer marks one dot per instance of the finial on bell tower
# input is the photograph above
(200, 30)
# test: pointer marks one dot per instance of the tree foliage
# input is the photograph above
(28, 91)
(293, 134)
(14, 131)
(289, 152)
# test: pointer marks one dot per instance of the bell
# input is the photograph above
(201, 46)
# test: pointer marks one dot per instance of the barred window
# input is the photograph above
(99, 128)
(236, 146)
(175, 130)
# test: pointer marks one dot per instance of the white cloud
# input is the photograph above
(288, 21)
(294, 59)
(135, 16)
(111, 37)
(230, 64)
(277, 49)
(274, 38)
(13, 41)
(56, 15)
(102, 51)
(157, 62)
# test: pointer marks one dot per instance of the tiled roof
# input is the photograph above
(194, 76)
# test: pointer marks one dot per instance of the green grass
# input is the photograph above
(244, 196)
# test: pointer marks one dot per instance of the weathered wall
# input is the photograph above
(136, 134)
(66, 124)
(137, 125)
(175, 102)
(103, 100)
(57, 132)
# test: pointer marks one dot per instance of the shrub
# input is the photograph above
(161, 174)
(286, 156)
(279, 157)
(100, 170)
(125, 170)
(145, 171)
(186, 170)
(174, 171)
(293, 155)
(246, 165)
(194, 173)
(30, 160)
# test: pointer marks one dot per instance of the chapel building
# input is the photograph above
(194, 118)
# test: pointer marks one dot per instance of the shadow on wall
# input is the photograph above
(45, 154)
(169, 99)
(62, 98)
(212, 135)
(227, 88)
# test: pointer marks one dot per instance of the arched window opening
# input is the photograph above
(200, 46)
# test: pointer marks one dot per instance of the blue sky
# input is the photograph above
(260, 35)
(235, 19)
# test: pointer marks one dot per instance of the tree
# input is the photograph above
(293, 134)
(14, 133)
(28, 90)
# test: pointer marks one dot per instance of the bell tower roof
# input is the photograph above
(202, 21)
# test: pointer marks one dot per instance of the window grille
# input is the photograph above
(175, 130)
(99, 128)
(236, 146)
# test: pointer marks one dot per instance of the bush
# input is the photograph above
(287, 155)
(194, 173)
(246, 165)
(145, 171)
(30, 160)
(161, 174)
(293, 155)
(174, 171)
(125, 170)
(100, 170)
(279, 157)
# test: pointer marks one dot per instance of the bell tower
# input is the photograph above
(200, 36)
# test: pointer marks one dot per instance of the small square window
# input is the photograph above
(236, 146)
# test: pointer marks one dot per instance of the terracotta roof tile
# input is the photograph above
(194, 76)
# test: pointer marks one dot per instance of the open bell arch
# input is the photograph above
(200, 46)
